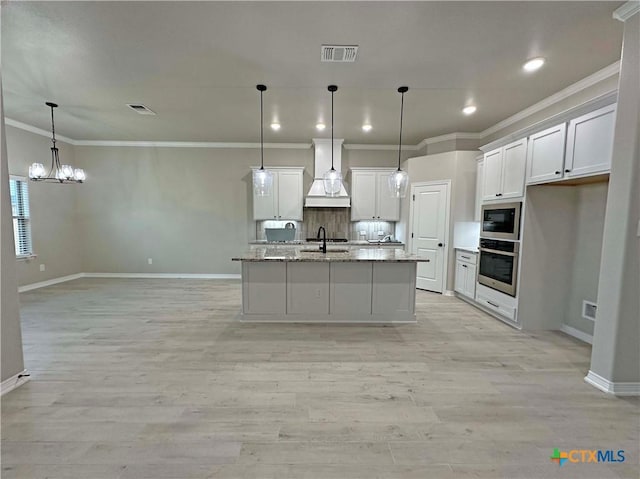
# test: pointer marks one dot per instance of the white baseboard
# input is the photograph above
(448, 292)
(618, 389)
(576, 333)
(13, 382)
(162, 275)
(49, 282)
(71, 277)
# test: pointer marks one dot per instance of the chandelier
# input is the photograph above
(59, 173)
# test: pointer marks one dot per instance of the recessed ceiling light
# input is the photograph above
(275, 126)
(320, 126)
(469, 110)
(533, 64)
(366, 128)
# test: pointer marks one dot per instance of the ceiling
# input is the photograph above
(197, 64)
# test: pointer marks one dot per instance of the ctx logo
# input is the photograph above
(587, 455)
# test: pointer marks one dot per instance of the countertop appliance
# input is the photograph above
(501, 221)
(498, 267)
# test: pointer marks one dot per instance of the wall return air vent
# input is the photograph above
(339, 53)
(141, 109)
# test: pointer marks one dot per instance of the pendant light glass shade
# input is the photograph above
(332, 179)
(332, 182)
(59, 173)
(262, 179)
(398, 181)
(262, 182)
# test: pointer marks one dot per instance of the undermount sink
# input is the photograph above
(328, 251)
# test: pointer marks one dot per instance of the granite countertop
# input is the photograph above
(282, 253)
(468, 249)
(329, 243)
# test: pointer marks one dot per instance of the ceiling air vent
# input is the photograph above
(141, 109)
(339, 53)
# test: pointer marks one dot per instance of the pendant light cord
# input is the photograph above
(332, 168)
(53, 128)
(402, 91)
(261, 134)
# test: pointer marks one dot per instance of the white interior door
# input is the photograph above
(429, 219)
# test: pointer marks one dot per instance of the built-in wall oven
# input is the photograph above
(498, 267)
(501, 221)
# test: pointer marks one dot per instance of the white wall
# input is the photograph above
(54, 227)
(460, 168)
(11, 359)
(587, 241)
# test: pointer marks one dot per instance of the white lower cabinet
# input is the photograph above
(465, 280)
(505, 306)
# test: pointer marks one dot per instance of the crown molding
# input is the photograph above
(449, 137)
(626, 11)
(191, 144)
(37, 131)
(356, 146)
(580, 85)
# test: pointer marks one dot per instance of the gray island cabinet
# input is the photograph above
(285, 284)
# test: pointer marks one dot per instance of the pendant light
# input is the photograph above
(399, 180)
(58, 173)
(332, 178)
(262, 179)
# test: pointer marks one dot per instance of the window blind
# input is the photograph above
(19, 191)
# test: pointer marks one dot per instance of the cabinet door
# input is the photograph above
(290, 195)
(590, 142)
(470, 281)
(492, 179)
(514, 160)
(545, 155)
(363, 195)
(266, 207)
(461, 277)
(387, 207)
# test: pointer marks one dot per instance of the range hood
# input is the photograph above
(316, 197)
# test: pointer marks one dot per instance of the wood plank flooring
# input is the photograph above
(157, 379)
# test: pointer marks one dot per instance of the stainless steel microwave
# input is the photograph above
(501, 221)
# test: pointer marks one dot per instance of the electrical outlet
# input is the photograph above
(150, 260)
(42, 267)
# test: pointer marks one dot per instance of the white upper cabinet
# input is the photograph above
(286, 200)
(586, 151)
(545, 155)
(590, 143)
(370, 197)
(504, 171)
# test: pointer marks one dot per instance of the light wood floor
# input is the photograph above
(157, 379)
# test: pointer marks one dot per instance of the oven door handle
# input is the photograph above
(495, 251)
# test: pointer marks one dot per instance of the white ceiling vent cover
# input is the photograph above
(141, 109)
(339, 53)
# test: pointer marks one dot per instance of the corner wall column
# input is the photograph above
(615, 357)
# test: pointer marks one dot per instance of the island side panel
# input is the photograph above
(351, 288)
(264, 287)
(307, 288)
(394, 289)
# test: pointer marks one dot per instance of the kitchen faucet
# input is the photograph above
(323, 248)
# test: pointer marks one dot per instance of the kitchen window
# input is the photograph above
(19, 191)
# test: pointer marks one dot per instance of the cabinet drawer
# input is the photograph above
(466, 257)
(493, 305)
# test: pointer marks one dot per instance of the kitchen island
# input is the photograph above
(350, 285)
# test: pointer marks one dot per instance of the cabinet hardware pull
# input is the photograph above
(558, 172)
(465, 257)
(428, 261)
(440, 244)
(493, 304)
(567, 171)
(464, 265)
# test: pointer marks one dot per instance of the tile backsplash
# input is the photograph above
(337, 222)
